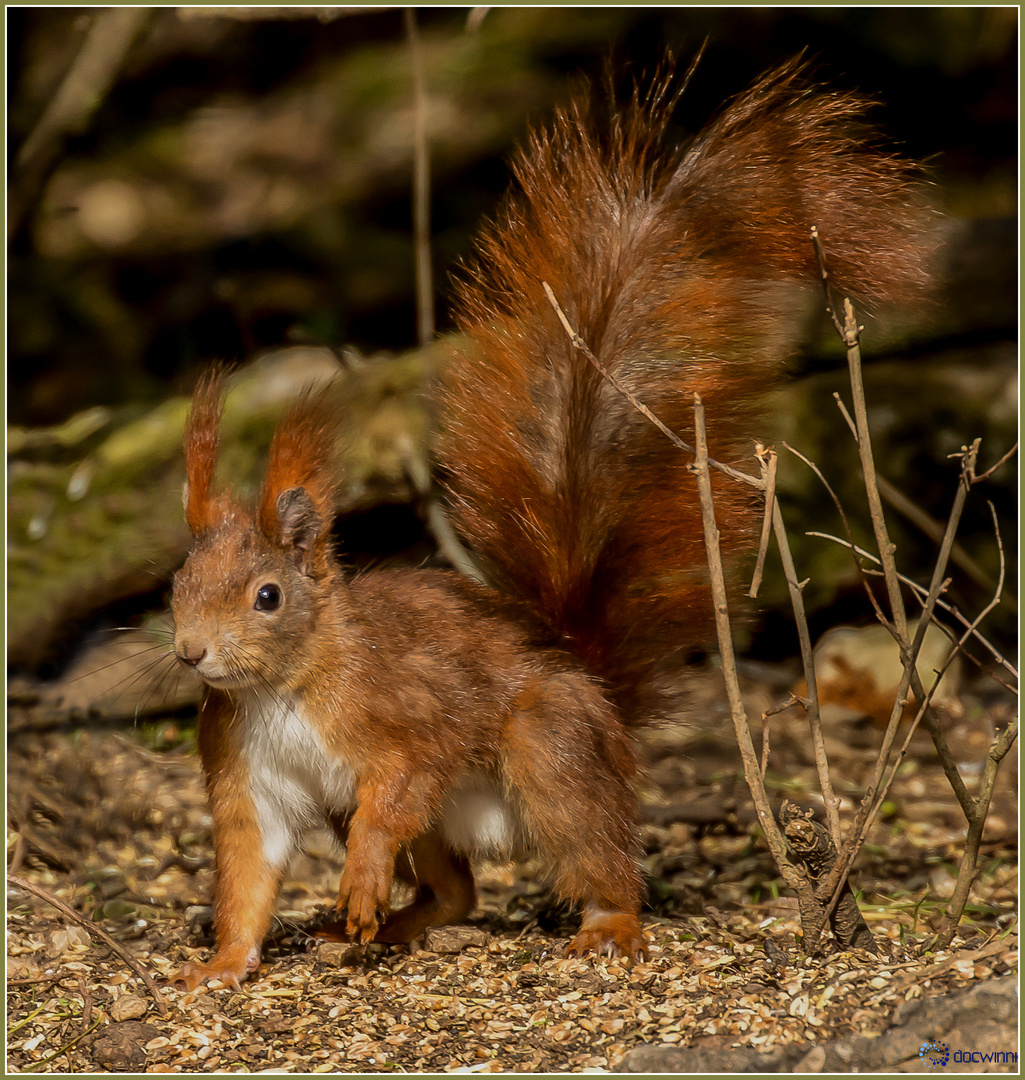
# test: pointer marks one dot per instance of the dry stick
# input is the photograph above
(777, 845)
(993, 468)
(766, 819)
(851, 332)
(437, 520)
(901, 503)
(97, 932)
(859, 569)
(909, 649)
(767, 462)
(832, 887)
(976, 809)
(973, 839)
(950, 768)
(421, 186)
(578, 343)
(796, 590)
(934, 530)
(919, 592)
(80, 93)
(766, 746)
(969, 805)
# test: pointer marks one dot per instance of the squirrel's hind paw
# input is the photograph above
(610, 934)
(229, 968)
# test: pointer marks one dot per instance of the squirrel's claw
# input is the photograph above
(229, 968)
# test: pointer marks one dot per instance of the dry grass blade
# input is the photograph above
(98, 932)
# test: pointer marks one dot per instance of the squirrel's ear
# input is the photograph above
(300, 526)
(298, 490)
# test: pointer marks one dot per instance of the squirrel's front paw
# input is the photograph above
(365, 904)
(229, 967)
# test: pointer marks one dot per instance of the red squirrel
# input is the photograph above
(427, 718)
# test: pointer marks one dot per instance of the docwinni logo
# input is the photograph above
(977, 1057)
(935, 1054)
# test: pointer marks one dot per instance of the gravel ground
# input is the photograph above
(120, 833)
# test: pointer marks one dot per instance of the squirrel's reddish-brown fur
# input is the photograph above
(426, 718)
(675, 266)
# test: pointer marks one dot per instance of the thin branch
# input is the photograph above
(919, 593)
(97, 932)
(767, 462)
(421, 186)
(69, 111)
(909, 658)
(578, 343)
(886, 547)
(824, 278)
(993, 468)
(859, 569)
(808, 662)
(934, 530)
(749, 758)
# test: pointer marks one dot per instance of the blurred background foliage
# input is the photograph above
(198, 185)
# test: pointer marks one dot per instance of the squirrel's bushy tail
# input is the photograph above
(677, 267)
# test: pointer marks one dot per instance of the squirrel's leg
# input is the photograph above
(391, 810)
(570, 766)
(249, 870)
(445, 892)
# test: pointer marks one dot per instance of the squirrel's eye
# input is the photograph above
(268, 598)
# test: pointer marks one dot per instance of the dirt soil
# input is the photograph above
(120, 832)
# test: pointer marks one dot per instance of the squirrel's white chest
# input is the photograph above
(295, 782)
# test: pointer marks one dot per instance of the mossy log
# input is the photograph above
(95, 509)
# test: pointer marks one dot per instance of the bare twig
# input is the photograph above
(934, 530)
(87, 1003)
(421, 186)
(767, 462)
(766, 746)
(824, 278)
(98, 932)
(909, 648)
(749, 758)
(833, 886)
(79, 95)
(795, 589)
(975, 809)
(847, 529)
(578, 343)
(920, 594)
(993, 468)
(887, 549)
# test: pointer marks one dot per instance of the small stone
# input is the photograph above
(121, 1047)
(338, 954)
(128, 1007)
(453, 939)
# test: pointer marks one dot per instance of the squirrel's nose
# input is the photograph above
(191, 654)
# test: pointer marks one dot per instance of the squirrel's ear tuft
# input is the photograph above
(202, 431)
(298, 500)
